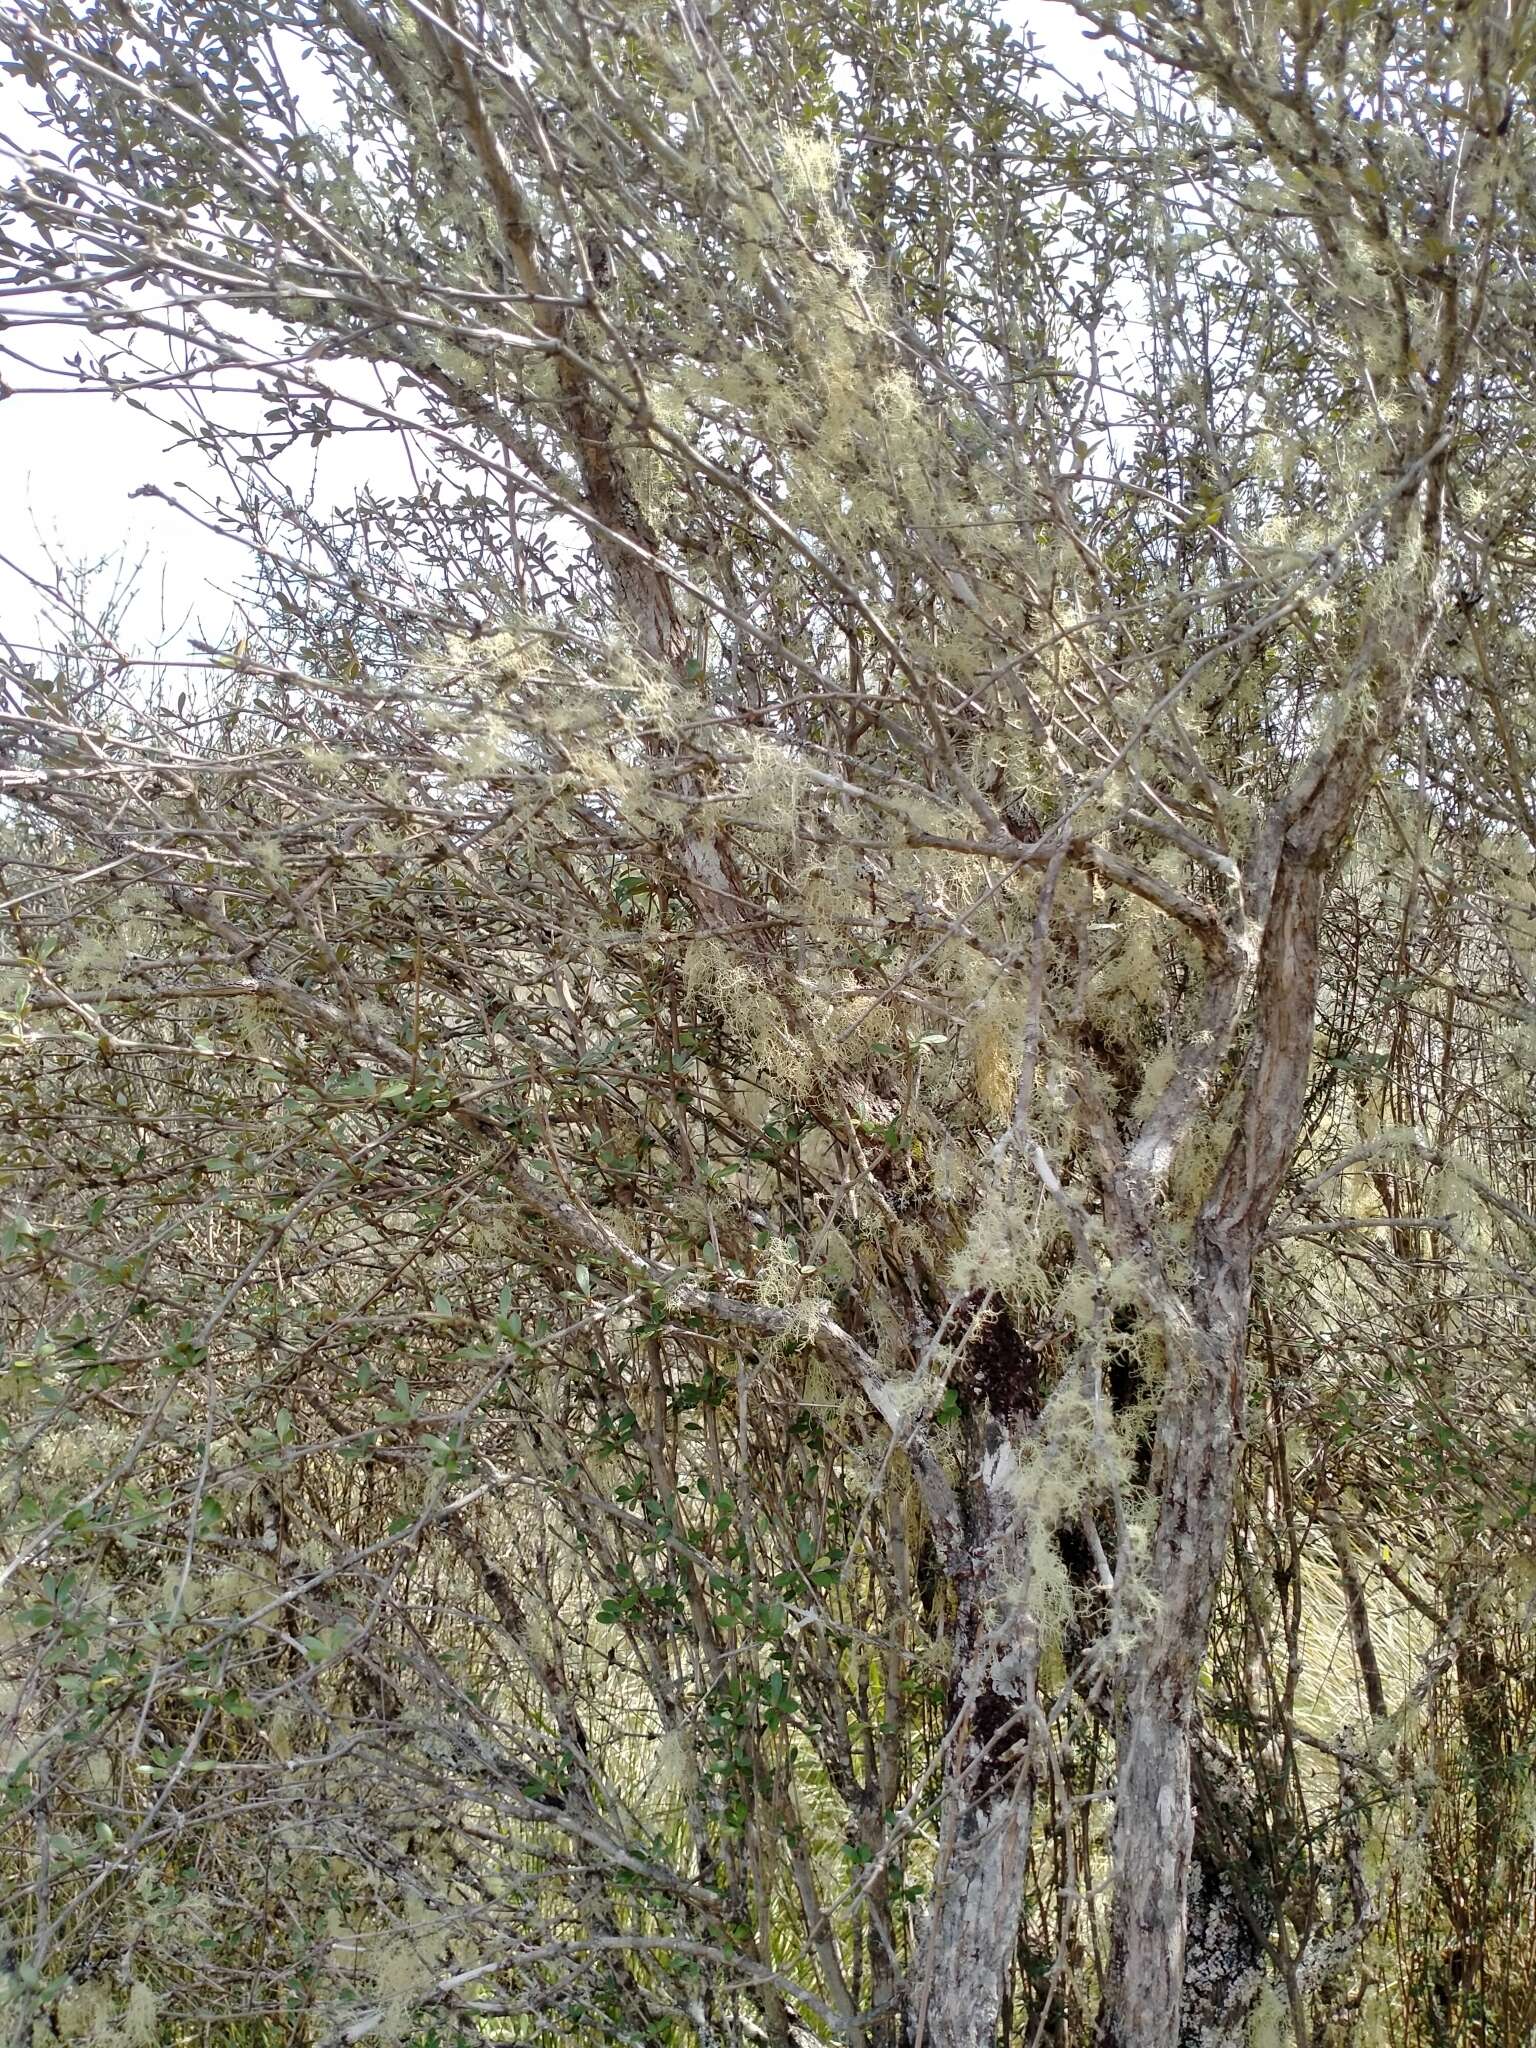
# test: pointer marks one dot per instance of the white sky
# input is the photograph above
(72, 461)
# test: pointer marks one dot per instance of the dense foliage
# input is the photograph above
(769, 1186)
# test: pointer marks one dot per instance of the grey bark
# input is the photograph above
(987, 1802)
(1154, 1818)
(1199, 1432)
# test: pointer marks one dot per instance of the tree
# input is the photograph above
(646, 1123)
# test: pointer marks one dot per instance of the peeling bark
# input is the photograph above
(988, 1809)
(1199, 1430)
(976, 1921)
(988, 1792)
(1154, 1819)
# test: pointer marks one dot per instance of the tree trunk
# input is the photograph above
(957, 1988)
(1195, 1471)
(976, 1918)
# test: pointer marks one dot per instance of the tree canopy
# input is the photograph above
(770, 1181)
